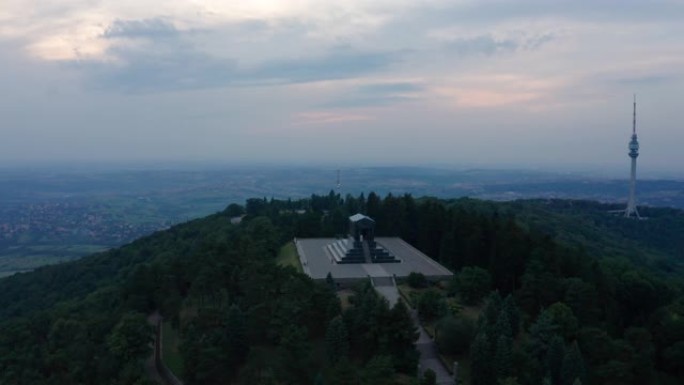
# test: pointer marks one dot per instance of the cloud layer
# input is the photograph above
(528, 83)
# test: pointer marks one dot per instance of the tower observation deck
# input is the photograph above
(631, 210)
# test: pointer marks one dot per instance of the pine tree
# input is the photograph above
(319, 379)
(400, 334)
(373, 206)
(336, 340)
(503, 326)
(503, 360)
(562, 316)
(509, 381)
(296, 351)
(480, 361)
(555, 357)
(472, 283)
(488, 321)
(542, 332)
(330, 281)
(493, 307)
(573, 366)
(236, 330)
(343, 373)
(513, 312)
(378, 371)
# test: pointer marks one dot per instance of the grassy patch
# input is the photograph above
(344, 298)
(319, 354)
(403, 379)
(429, 328)
(471, 312)
(410, 294)
(170, 353)
(288, 257)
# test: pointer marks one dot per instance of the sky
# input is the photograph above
(527, 83)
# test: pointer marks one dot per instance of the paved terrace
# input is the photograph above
(318, 262)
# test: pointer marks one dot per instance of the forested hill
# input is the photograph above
(581, 304)
(657, 241)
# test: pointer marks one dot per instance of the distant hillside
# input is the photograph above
(656, 241)
(54, 215)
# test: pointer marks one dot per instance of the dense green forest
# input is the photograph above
(569, 294)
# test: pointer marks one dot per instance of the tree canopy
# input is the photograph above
(560, 303)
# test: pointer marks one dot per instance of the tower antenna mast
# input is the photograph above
(631, 210)
(634, 117)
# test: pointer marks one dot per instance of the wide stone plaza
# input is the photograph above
(318, 261)
(361, 255)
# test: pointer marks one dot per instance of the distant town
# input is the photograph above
(48, 217)
(70, 222)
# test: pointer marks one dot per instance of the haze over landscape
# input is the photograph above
(531, 84)
(357, 192)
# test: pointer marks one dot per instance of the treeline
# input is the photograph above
(243, 319)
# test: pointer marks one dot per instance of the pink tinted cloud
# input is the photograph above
(327, 117)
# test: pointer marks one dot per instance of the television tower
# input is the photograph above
(631, 210)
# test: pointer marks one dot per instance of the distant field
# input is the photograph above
(16, 259)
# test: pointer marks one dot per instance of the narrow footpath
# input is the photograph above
(150, 363)
(425, 345)
(428, 355)
(156, 369)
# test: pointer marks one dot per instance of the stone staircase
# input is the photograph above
(366, 252)
(348, 251)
